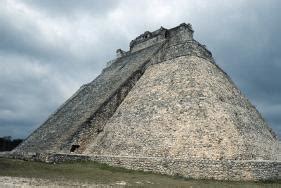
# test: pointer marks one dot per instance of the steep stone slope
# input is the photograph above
(186, 108)
(56, 134)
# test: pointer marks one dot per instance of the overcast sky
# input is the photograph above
(48, 49)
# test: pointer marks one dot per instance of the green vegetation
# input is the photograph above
(7, 143)
(92, 172)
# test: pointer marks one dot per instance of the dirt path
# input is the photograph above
(11, 182)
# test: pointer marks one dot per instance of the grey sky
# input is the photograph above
(48, 49)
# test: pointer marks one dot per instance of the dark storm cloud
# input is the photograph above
(44, 60)
(70, 7)
(26, 41)
(49, 48)
(24, 88)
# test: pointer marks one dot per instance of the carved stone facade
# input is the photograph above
(163, 106)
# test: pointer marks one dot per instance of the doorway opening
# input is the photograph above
(74, 147)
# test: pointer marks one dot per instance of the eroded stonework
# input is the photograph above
(163, 106)
(177, 109)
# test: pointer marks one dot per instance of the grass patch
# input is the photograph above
(74, 171)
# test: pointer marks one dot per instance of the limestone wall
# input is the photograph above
(199, 169)
(232, 170)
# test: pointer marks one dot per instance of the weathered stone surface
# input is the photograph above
(177, 109)
(67, 120)
(234, 170)
(164, 106)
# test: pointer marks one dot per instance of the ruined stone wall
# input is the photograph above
(181, 33)
(148, 42)
(231, 170)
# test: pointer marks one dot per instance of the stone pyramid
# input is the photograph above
(165, 98)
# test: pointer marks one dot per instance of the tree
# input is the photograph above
(8, 144)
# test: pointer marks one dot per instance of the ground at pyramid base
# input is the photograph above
(163, 106)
